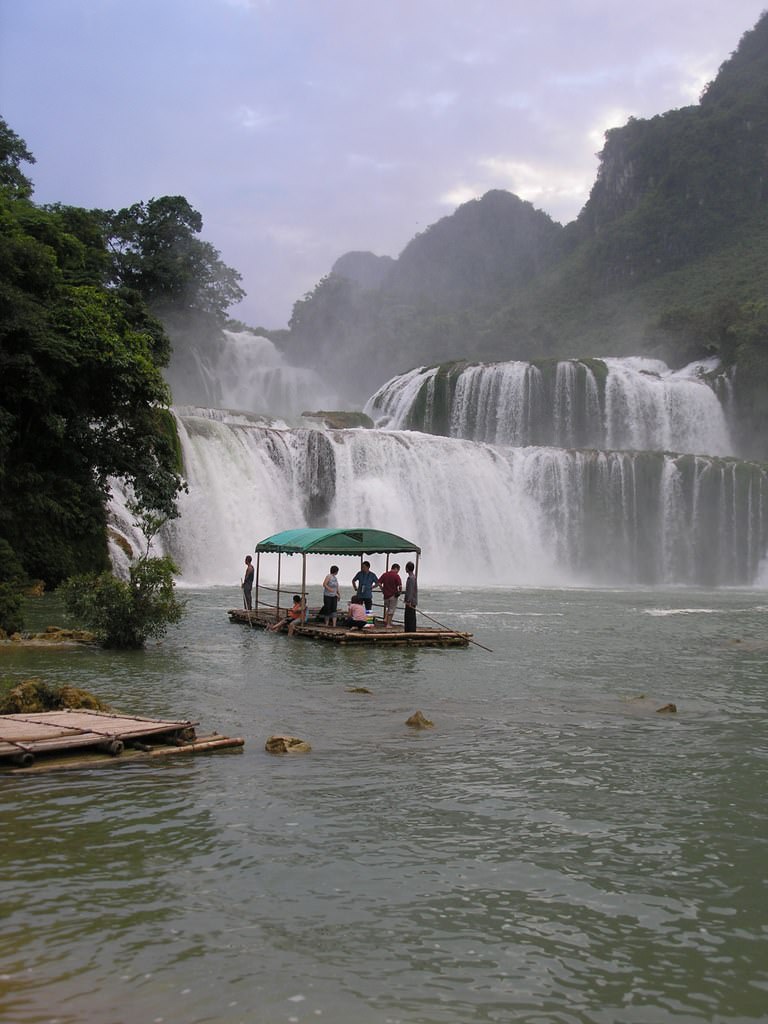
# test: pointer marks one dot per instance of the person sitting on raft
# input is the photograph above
(292, 619)
(358, 616)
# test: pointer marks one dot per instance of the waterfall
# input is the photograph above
(244, 371)
(574, 472)
(483, 514)
(638, 404)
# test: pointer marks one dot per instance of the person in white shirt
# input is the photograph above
(331, 596)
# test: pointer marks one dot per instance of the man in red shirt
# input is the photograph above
(391, 587)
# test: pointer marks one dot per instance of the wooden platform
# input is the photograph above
(52, 734)
(371, 635)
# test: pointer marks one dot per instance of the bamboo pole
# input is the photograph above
(455, 631)
(216, 743)
(65, 764)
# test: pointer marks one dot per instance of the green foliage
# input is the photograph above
(13, 151)
(125, 613)
(11, 581)
(155, 252)
(82, 395)
(749, 335)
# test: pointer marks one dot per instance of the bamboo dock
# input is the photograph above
(375, 634)
(96, 737)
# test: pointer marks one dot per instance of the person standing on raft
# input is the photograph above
(364, 583)
(411, 599)
(331, 596)
(391, 588)
(247, 583)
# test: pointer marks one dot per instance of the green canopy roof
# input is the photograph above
(336, 542)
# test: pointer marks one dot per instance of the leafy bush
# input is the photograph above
(125, 613)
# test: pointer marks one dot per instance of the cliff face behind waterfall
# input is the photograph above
(668, 258)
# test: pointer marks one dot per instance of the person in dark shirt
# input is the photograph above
(247, 583)
(364, 583)
(411, 599)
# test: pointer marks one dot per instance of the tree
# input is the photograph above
(82, 396)
(154, 251)
(123, 614)
(13, 151)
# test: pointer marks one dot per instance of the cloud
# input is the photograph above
(515, 101)
(253, 119)
(461, 194)
(547, 187)
(248, 5)
(294, 237)
(435, 103)
(474, 58)
(301, 129)
(613, 117)
(363, 162)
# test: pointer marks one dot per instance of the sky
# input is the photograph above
(303, 129)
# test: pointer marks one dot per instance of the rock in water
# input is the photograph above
(418, 721)
(286, 745)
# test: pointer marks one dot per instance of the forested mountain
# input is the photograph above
(668, 257)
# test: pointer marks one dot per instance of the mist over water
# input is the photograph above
(244, 371)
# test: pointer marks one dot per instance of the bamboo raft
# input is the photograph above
(98, 738)
(375, 634)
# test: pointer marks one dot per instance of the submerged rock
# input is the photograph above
(286, 745)
(57, 634)
(51, 635)
(339, 420)
(418, 721)
(667, 709)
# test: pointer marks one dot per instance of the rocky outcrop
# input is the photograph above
(418, 721)
(33, 696)
(340, 420)
(286, 745)
(51, 635)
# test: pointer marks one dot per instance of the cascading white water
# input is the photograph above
(523, 488)
(650, 407)
(483, 514)
(634, 403)
(244, 371)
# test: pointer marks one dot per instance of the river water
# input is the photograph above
(553, 850)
